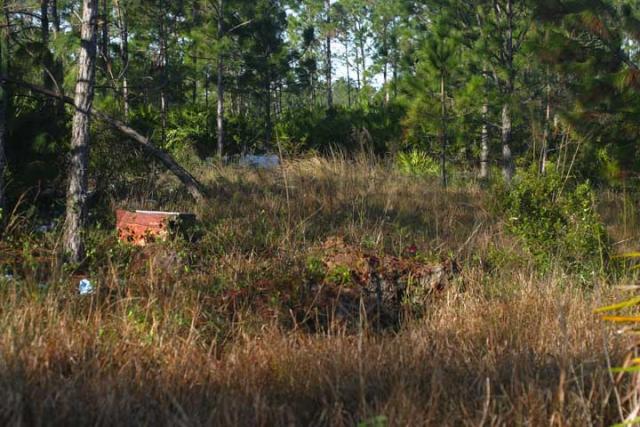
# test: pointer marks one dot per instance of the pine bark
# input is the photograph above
(364, 61)
(547, 129)
(484, 143)
(329, 69)
(267, 108)
(220, 106)
(385, 65)
(4, 101)
(507, 160)
(55, 15)
(104, 39)
(44, 34)
(348, 65)
(163, 62)
(76, 209)
(124, 56)
(443, 130)
(357, 65)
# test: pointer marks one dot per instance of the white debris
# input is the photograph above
(261, 161)
(85, 287)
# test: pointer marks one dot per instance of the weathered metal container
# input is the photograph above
(142, 227)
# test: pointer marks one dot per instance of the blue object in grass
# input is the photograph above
(85, 287)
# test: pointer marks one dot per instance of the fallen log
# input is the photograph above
(194, 187)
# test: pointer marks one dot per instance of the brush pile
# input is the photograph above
(346, 284)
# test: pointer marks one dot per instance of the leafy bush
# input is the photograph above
(417, 163)
(555, 221)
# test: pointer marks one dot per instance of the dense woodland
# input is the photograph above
(480, 85)
(455, 195)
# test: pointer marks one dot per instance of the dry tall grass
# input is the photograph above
(163, 342)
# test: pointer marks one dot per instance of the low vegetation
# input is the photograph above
(208, 331)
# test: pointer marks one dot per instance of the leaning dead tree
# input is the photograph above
(193, 186)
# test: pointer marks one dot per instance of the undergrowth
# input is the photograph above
(209, 331)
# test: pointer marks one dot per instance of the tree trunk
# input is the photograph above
(56, 17)
(4, 101)
(547, 130)
(3, 137)
(76, 210)
(484, 142)
(104, 39)
(507, 160)
(124, 57)
(207, 82)
(357, 64)
(164, 104)
(346, 57)
(364, 61)
(395, 74)
(267, 112)
(329, 70)
(46, 55)
(220, 106)
(443, 130)
(385, 49)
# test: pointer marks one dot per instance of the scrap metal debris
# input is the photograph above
(142, 227)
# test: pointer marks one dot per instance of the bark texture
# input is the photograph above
(484, 143)
(124, 56)
(220, 106)
(76, 209)
(329, 70)
(507, 160)
(44, 34)
(4, 100)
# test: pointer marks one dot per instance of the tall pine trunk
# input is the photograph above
(268, 126)
(329, 70)
(164, 61)
(346, 60)
(4, 102)
(44, 34)
(443, 129)
(364, 60)
(124, 56)
(484, 142)
(104, 39)
(357, 64)
(547, 128)
(53, 4)
(385, 65)
(507, 160)
(220, 106)
(76, 215)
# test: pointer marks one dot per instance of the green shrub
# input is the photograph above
(556, 221)
(417, 163)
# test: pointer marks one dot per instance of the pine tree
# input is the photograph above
(76, 211)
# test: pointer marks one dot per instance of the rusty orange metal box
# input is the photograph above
(142, 227)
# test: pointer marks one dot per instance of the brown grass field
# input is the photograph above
(199, 333)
